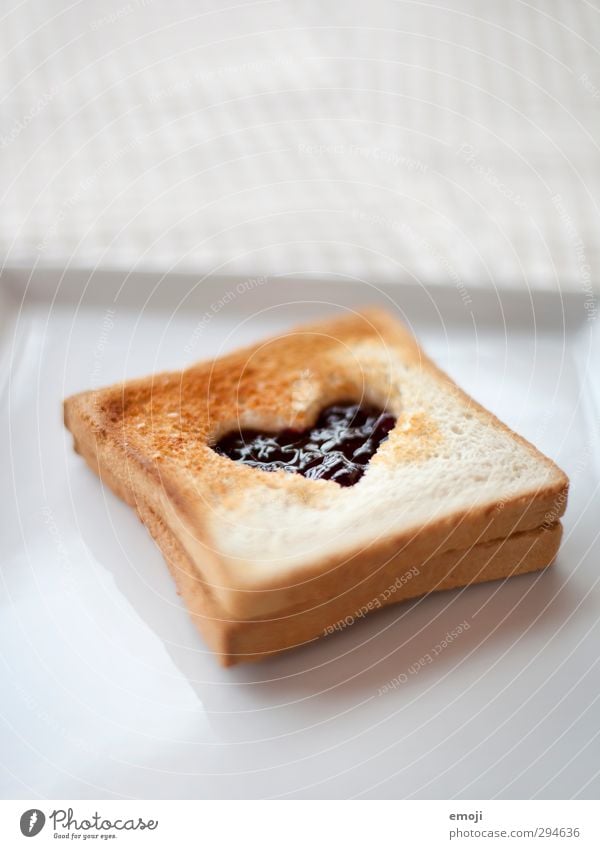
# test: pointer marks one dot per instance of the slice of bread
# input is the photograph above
(291, 552)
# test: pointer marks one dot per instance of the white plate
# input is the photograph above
(107, 689)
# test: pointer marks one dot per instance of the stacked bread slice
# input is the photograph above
(266, 561)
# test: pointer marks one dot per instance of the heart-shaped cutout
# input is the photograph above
(338, 447)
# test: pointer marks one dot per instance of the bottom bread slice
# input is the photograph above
(237, 641)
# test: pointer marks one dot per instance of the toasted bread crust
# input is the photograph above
(150, 440)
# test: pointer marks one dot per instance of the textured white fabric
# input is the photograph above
(450, 142)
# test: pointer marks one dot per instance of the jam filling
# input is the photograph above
(338, 447)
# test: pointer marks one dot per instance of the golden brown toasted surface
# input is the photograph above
(265, 542)
(282, 382)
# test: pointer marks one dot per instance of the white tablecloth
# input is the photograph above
(383, 140)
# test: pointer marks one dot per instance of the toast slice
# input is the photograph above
(265, 560)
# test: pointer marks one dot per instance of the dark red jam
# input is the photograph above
(338, 447)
